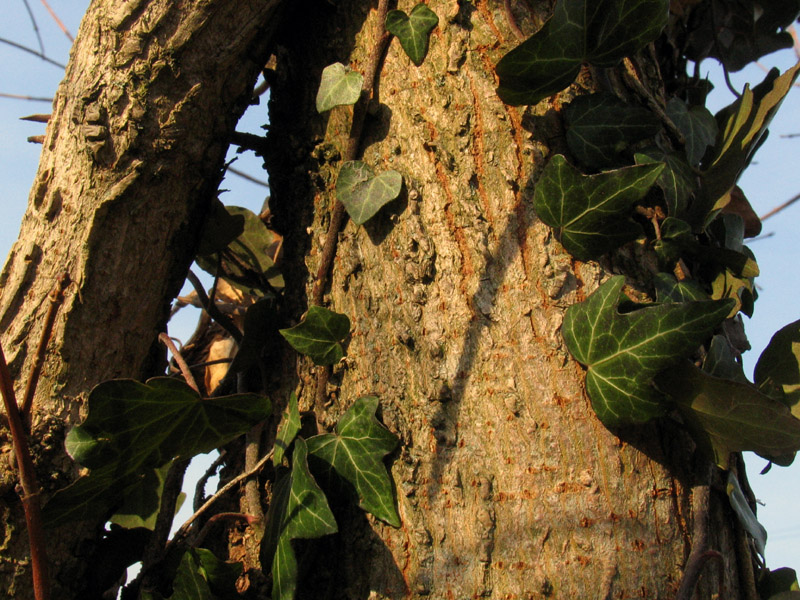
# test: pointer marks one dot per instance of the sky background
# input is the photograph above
(773, 178)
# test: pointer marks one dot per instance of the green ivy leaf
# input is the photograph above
(728, 416)
(745, 125)
(339, 86)
(601, 126)
(260, 324)
(600, 32)
(362, 192)
(287, 430)
(319, 335)
(591, 213)
(746, 516)
(143, 502)
(697, 125)
(355, 452)
(221, 228)
(133, 427)
(720, 361)
(623, 351)
(220, 575)
(677, 180)
(299, 510)
(201, 576)
(413, 30)
(777, 581)
(777, 371)
(247, 262)
(669, 289)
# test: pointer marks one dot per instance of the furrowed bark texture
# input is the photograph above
(508, 485)
(132, 157)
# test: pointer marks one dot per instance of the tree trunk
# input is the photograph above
(132, 158)
(508, 485)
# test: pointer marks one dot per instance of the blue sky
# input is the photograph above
(773, 178)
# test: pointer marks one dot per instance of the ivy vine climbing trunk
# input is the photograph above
(508, 485)
(132, 158)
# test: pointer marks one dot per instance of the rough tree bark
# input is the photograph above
(132, 158)
(508, 485)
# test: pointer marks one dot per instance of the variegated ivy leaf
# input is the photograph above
(413, 30)
(778, 369)
(299, 510)
(339, 86)
(623, 351)
(600, 32)
(592, 213)
(355, 453)
(319, 335)
(362, 192)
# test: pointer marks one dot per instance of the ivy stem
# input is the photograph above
(56, 297)
(30, 487)
(176, 355)
(701, 499)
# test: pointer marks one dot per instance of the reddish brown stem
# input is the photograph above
(61, 25)
(56, 298)
(30, 487)
(184, 367)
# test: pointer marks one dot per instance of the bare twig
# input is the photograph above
(200, 488)
(24, 97)
(187, 373)
(61, 25)
(249, 141)
(30, 487)
(36, 118)
(35, 26)
(36, 139)
(31, 51)
(250, 178)
(56, 297)
(212, 309)
(779, 208)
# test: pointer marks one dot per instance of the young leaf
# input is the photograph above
(287, 430)
(591, 213)
(728, 416)
(413, 30)
(319, 335)
(601, 126)
(697, 125)
(677, 180)
(299, 510)
(133, 427)
(339, 86)
(777, 371)
(601, 32)
(362, 192)
(623, 351)
(355, 452)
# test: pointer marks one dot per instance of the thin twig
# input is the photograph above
(212, 309)
(30, 487)
(512, 22)
(35, 26)
(56, 298)
(249, 141)
(176, 355)
(36, 118)
(31, 51)
(24, 97)
(36, 139)
(184, 529)
(200, 488)
(778, 209)
(61, 25)
(250, 178)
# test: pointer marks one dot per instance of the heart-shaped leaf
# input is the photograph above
(669, 289)
(697, 125)
(591, 213)
(362, 192)
(319, 335)
(728, 416)
(287, 430)
(677, 180)
(339, 86)
(624, 351)
(355, 452)
(133, 427)
(299, 510)
(601, 126)
(597, 31)
(413, 30)
(778, 368)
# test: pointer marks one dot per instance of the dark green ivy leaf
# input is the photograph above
(201, 576)
(143, 502)
(221, 228)
(591, 213)
(728, 416)
(677, 180)
(777, 371)
(669, 289)
(339, 86)
(287, 430)
(319, 335)
(362, 192)
(697, 125)
(600, 32)
(133, 427)
(355, 452)
(413, 30)
(720, 361)
(601, 126)
(623, 352)
(299, 510)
